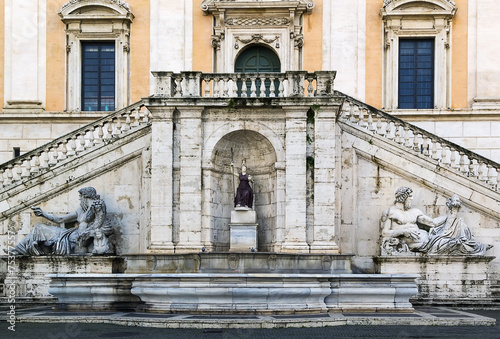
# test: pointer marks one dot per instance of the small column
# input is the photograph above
(324, 182)
(190, 200)
(295, 224)
(161, 179)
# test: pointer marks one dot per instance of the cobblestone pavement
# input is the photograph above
(27, 330)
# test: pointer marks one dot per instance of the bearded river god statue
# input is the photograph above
(91, 235)
(403, 230)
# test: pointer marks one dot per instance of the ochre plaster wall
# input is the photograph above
(139, 49)
(459, 56)
(202, 49)
(312, 58)
(374, 53)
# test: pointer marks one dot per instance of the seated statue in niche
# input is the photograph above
(55, 240)
(244, 192)
(403, 230)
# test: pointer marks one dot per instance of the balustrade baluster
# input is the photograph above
(416, 141)
(253, 88)
(425, 146)
(64, 150)
(361, 117)
(435, 154)
(36, 164)
(371, 125)
(98, 138)
(126, 127)
(91, 138)
(354, 113)
(178, 87)
(453, 159)
(472, 169)
(244, 87)
(406, 136)
(398, 137)
(53, 156)
(18, 171)
(346, 111)
(73, 145)
(444, 154)
(207, 87)
(281, 88)
(118, 125)
(226, 87)
(461, 162)
(217, 91)
(497, 187)
(234, 86)
(310, 88)
(481, 174)
(25, 170)
(388, 130)
(44, 159)
(137, 117)
(262, 88)
(10, 175)
(380, 130)
(490, 179)
(109, 130)
(272, 88)
(2, 179)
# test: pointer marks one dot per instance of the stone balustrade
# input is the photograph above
(244, 85)
(63, 149)
(419, 141)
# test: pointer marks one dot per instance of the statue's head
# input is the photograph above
(89, 192)
(454, 202)
(402, 194)
(243, 166)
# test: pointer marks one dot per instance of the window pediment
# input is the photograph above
(409, 7)
(95, 9)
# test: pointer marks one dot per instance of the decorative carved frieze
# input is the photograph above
(262, 21)
(255, 38)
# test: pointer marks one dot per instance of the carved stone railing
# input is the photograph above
(418, 141)
(62, 149)
(244, 85)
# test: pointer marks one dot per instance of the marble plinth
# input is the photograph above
(443, 279)
(29, 273)
(260, 262)
(243, 230)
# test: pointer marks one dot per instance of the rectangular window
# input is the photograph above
(416, 73)
(98, 76)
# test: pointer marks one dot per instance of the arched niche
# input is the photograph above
(220, 184)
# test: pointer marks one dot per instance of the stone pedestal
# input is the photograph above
(443, 279)
(243, 230)
(29, 274)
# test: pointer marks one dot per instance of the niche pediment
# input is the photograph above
(408, 7)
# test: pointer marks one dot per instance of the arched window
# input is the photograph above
(258, 59)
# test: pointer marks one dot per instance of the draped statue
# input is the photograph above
(244, 192)
(54, 240)
(403, 230)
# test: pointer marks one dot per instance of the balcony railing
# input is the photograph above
(244, 85)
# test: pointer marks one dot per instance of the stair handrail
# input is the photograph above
(445, 152)
(45, 157)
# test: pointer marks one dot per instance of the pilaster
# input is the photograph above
(324, 182)
(190, 204)
(162, 179)
(296, 138)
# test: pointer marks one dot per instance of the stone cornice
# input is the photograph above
(208, 6)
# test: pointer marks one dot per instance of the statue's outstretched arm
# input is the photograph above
(427, 221)
(54, 217)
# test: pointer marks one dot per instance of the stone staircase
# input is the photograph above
(64, 162)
